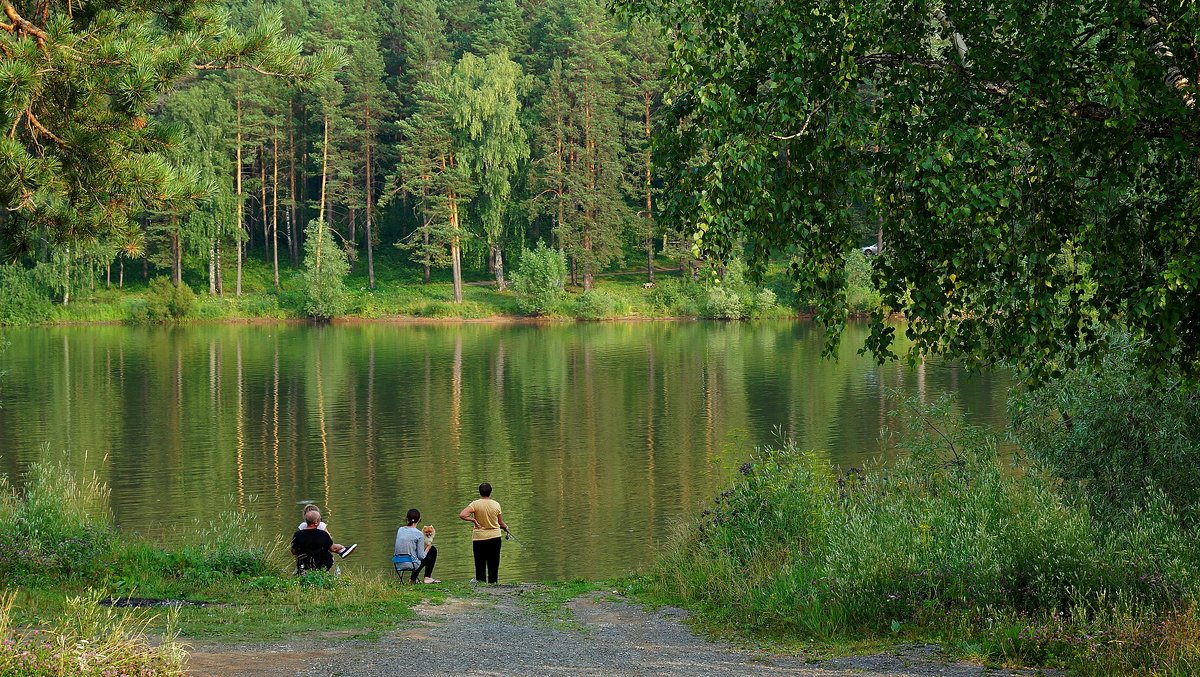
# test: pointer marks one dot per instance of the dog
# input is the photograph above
(429, 532)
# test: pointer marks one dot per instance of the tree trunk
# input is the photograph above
(428, 267)
(220, 276)
(108, 276)
(121, 272)
(262, 173)
(498, 260)
(455, 250)
(176, 254)
(240, 209)
(646, 99)
(212, 269)
(275, 206)
(321, 210)
(293, 239)
(370, 211)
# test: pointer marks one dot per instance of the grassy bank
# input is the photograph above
(950, 545)
(65, 564)
(400, 292)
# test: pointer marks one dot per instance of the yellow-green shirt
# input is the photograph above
(487, 514)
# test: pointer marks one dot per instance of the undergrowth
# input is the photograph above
(949, 544)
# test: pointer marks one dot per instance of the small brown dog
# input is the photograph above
(429, 532)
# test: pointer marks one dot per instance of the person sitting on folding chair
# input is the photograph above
(311, 545)
(410, 555)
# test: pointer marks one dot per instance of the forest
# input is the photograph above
(421, 135)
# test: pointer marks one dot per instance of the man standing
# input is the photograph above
(312, 545)
(484, 513)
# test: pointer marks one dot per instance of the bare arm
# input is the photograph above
(468, 515)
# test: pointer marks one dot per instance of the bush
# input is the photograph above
(861, 294)
(164, 303)
(325, 288)
(734, 298)
(724, 304)
(949, 544)
(1117, 435)
(539, 279)
(597, 304)
(24, 299)
(680, 297)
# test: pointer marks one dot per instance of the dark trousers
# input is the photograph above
(487, 559)
(426, 564)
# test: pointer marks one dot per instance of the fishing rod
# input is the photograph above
(513, 538)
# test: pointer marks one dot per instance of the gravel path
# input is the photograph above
(601, 635)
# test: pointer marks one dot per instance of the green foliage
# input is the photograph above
(539, 279)
(57, 526)
(861, 294)
(86, 640)
(84, 158)
(1026, 200)
(599, 304)
(24, 299)
(325, 269)
(1121, 438)
(682, 297)
(164, 303)
(734, 298)
(946, 543)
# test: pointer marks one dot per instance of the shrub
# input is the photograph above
(765, 303)
(23, 297)
(1116, 434)
(539, 279)
(325, 287)
(861, 294)
(724, 303)
(597, 304)
(164, 303)
(946, 543)
(680, 297)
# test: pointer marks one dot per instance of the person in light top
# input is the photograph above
(410, 542)
(484, 513)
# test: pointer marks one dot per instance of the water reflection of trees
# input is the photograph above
(590, 433)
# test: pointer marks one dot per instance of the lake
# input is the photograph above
(601, 440)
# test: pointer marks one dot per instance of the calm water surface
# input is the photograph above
(600, 439)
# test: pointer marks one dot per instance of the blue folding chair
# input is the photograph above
(405, 564)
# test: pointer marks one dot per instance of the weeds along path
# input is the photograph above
(528, 633)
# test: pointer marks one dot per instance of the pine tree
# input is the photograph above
(85, 156)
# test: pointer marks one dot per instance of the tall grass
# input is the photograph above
(58, 526)
(87, 640)
(948, 543)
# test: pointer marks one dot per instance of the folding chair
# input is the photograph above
(405, 565)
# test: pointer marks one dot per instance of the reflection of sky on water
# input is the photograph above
(600, 438)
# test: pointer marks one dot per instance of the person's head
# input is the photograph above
(309, 508)
(485, 490)
(312, 518)
(414, 516)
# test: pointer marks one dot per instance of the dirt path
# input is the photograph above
(599, 634)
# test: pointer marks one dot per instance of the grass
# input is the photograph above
(949, 546)
(550, 601)
(400, 292)
(63, 557)
(86, 639)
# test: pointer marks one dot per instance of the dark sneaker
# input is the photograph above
(347, 550)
